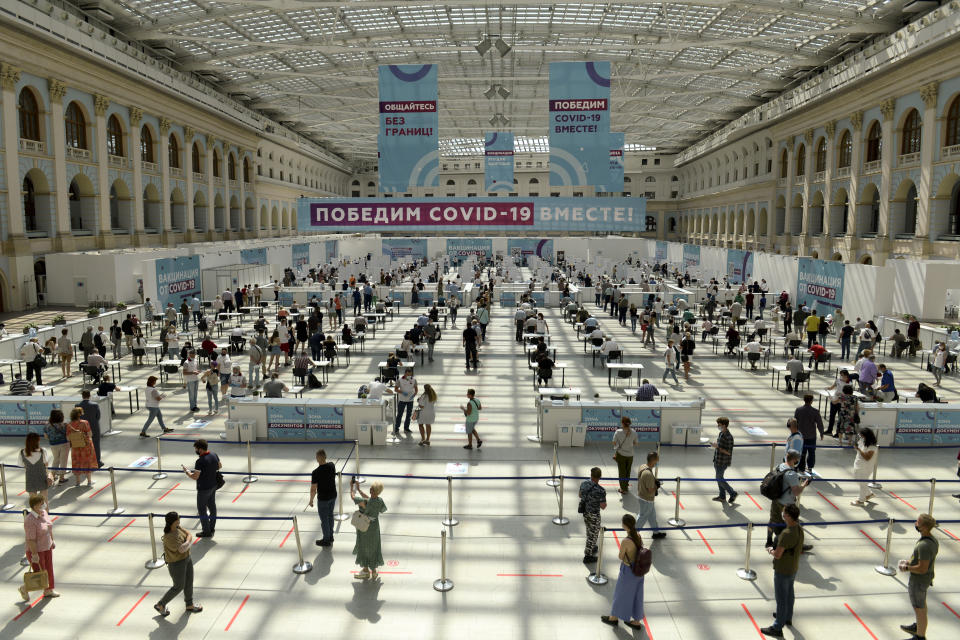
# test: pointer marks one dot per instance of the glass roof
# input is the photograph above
(681, 69)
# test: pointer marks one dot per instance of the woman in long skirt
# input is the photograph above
(367, 549)
(628, 595)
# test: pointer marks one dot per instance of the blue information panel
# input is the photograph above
(300, 256)
(13, 418)
(253, 256)
(498, 161)
(947, 430)
(660, 251)
(615, 184)
(408, 144)
(404, 248)
(579, 124)
(691, 255)
(324, 422)
(820, 283)
(524, 247)
(38, 413)
(477, 215)
(602, 422)
(460, 248)
(331, 249)
(177, 279)
(914, 426)
(508, 299)
(739, 266)
(286, 422)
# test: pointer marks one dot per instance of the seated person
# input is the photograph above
(582, 315)
(434, 313)
(733, 339)
(610, 346)
(590, 323)
(346, 336)
(926, 393)
(818, 354)
(237, 340)
(792, 341)
(754, 351)
(760, 326)
(105, 387)
(97, 365)
(596, 337)
(646, 392)
(329, 348)
(544, 369)
(795, 373)
(360, 324)
(707, 330)
(406, 345)
(302, 366)
(21, 387)
(209, 346)
(898, 343)
(530, 325)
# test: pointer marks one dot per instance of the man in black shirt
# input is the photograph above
(323, 487)
(205, 473)
(470, 347)
(91, 413)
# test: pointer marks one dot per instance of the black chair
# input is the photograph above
(615, 355)
(597, 342)
(623, 374)
(390, 374)
(93, 372)
(300, 376)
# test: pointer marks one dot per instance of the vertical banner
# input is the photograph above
(524, 247)
(615, 183)
(739, 266)
(579, 123)
(331, 249)
(400, 248)
(300, 256)
(408, 144)
(820, 283)
(498, 161)
(253, 256)
(691, 256)
(660, 251)
(460, 248)
(177, 279)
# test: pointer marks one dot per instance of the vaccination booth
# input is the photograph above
(310, 420)
(20, 415)
(572, 423)
(915, 424)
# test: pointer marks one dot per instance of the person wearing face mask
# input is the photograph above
(722, 457)
(920, 567)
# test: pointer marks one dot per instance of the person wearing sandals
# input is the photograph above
(83, 458)
(38, 530)
(628, 594)
(56, 433)
(176, 551)
(865, 464)
(472, 414)
(367, 548)
(426, 413)
(34, 461)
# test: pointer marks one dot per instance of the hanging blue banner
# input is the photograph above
(253, 256)
(660, 251)
(498, 161)
(177, 279)
(739, 266)
(579, 123)
(615, 183)
(523, 247)
(300, 255)
(460, 248)
(330, 249)
(820, 283)
(691, 255)
(400, 248)
(408, 144)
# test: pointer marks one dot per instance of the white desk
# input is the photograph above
(623, 366)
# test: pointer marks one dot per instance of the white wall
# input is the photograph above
(907, 285)
(867, 291)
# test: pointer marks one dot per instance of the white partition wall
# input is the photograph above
(867, 291)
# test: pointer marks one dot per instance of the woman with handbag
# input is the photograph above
(34, 461)
(38, 528)
(367, 548)
(176, 551)
(426, 413)
(56, 433)
(628, 595)
(83, 457)
(848, 416)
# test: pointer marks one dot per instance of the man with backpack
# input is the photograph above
(782, 486)
(786, 562)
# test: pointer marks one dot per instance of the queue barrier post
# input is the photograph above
(676, 520)
(873, 484)
(159, 475)
(3, 487)
(250, 478)
(746, 573)
(773, 455)
(341, 516)
(443, 584)
(302, 565)
(553, 482)
(560, 519)
(23, 561)
(156, 562)
(933, 486)
(450, 521)
(597, 576)
(885, 568)
(113, 490)
(656, 469)
(357, 478)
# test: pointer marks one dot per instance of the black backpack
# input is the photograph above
(313, 382)
(772, 484)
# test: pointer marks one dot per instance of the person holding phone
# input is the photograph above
(205, 471)
(176, 551)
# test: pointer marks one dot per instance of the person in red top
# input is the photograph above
(209, 346)
(816, 351)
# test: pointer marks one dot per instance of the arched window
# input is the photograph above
(246, 171)
(174, 149)
(76, 127)
(649, 179)
(471, 182)
(216, 165)
(874, 222)
(146, 144)
(874, 142)
(29, 116)
(801, 160)
(450, 183)
(783, 164)
(910, 140)
(845, 150)
(910, 211)
(114, 136)
(820, 160)
(953, 216)
(231, 167)
(29, 205)
(952, 136)
(534, 181)
(196, 160)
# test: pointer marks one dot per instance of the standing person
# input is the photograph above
(792, 487)
(255, 365)
(687, 346)
(275, 350)
(920, 567)
(722, 458)
(206, 471)
(238, 384)
(83, 457)
(323, 487)
(865, 463)
(55, 432)
(472, 414)
(593, 498)
(407, 389)
(426, 413)
(647, 488)
(628, 594)
(211, 382)
(794, 441)
(483, 317)
(812, 326)
(38, 534)
(153, 407)
(809, 422)
(368, 549)
(624, 441)
(191, 379)
(786, 563)
(848, 414)
(176, 551)
(91, 411)
(469, 344)
(31, 353)
(670, 363)
(65, 351)
(846, 335)
(116, 339)
(34, 460)
(937, 365)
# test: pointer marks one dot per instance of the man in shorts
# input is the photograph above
(920, 567)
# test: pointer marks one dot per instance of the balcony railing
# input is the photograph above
(197, 177)
(781, 182)
(118, 162)
(798, 180)
(873, 166)
(32, 146)
(150, 166)
(234, 184)
(953, 151)
(820, 176)
(176, 172)
(843, 172)
(78, 154)
(908, 159)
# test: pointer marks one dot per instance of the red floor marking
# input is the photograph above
(196, 540)
(860, 621)
(753, 501)
(705, 541)
(21, 493)
(950, 610)
(98, 490)
(529, 575)
(947, 531)
(828, 501)
(137, 604)
(872, 540)
(230, 624)
(755, 625)
(54, 519)
(30, 606)
(646, 627)
(169, 491)
(616, 538)
(902, 500)
(242, 491)
(285, 537)
(682, 508)
(121, 530)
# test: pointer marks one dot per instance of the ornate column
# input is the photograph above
(887, 156)
(225, 179)
(788, 196)
(211, 189)
(188, 133)
(244, 231)
(831, 131)
(165, 180)
(58, 142)
(928, 141)
(136, 161)
(853, 193)
(9, 77)
(807, 161)
(105, 238)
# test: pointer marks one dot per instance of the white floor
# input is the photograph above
(516, 574)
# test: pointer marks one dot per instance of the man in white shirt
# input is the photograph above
(753, 349)
(407, 389)
(669, 363)
(608, 346)
(376, 389)
(624, 441)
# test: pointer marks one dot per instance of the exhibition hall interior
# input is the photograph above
(291, 290)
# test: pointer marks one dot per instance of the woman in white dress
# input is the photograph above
(426, 413)
(865, 463)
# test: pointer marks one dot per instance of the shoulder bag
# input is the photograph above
(360, 521)
(76, 438)
(641, 564)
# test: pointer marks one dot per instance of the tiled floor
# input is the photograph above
(517, 575)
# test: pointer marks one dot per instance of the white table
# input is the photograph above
(546, 392)
(623, 366)
(777, 369)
